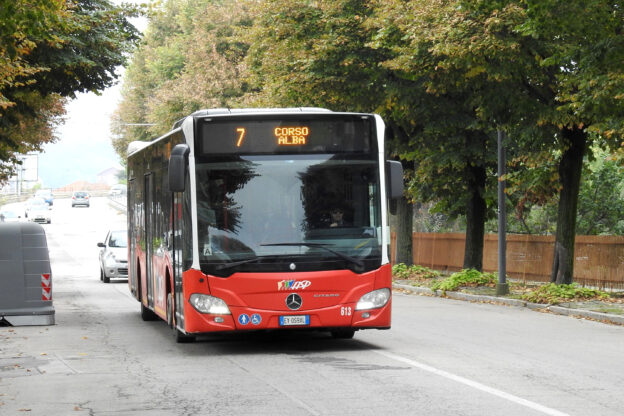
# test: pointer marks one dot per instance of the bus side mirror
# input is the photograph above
(394, 171)
(178, 162)
(394, 184)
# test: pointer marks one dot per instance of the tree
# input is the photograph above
(319, 54)
(530, 67)
(586, 58)
(25, 23)
(26, 116)
(191, 58)
(50, 50)
(452, 149)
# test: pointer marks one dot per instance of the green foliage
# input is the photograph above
(315, 53)
(192, 57)
(601, 198)
(443, 74)
(96, 42)
(402, 271)
(553, 294)
(466, 277)
(600, 206)
(531, 68)
(49, 50)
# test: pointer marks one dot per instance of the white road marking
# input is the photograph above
(474, 384)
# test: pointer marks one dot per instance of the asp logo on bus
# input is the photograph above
(293, 284)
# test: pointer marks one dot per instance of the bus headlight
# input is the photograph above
(209, 304)
(373, 300)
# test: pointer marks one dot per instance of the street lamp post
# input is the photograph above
(502, 287)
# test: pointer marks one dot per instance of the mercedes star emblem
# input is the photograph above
(293, 301)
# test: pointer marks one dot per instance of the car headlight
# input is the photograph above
(209, 304)
(373, 300)
(110, 259)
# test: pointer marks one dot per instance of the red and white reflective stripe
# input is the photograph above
(46, 289)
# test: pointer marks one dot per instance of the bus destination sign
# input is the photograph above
(291, 136)
(226, 136)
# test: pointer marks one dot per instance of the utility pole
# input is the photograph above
(18, 184)
(502, 287)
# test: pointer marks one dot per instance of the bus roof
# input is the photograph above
(255, 111)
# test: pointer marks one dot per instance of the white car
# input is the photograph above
(37, 210)
(114, 256)
(118, 189)
(9, 215)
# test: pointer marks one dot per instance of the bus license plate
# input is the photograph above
(294, 320)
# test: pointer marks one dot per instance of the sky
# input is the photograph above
(84, 148)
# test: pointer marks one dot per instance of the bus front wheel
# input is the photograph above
(180, 337)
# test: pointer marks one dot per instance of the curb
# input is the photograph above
(116, 205)
(557, 310)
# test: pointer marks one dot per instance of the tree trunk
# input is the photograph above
(405, 214)
(475, 218)
(570, 169)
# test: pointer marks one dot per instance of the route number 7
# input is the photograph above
(241, 134)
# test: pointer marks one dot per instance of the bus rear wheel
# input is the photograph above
(170, 310)
(147, 314)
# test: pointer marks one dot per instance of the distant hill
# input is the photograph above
(64, 163)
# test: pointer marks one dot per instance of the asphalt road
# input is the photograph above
(442, 357)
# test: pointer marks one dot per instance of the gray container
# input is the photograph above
(25, 275)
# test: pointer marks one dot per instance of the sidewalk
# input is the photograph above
(606, 312)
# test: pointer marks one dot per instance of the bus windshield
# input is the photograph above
(284, 212)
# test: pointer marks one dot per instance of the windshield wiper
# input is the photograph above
(350, 259)
(237, 263)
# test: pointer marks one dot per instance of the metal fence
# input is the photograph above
(599, 260)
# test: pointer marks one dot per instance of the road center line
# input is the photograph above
(474, 384)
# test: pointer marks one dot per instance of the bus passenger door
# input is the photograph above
(132, 213)
(178, 258)
(149, 237)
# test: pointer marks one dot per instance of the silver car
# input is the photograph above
(80, 198)
(114, 256)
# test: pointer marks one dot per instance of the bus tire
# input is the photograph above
(182, 338)
(343, 333)
(170, 310)
(147, 314)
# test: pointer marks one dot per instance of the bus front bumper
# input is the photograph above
(245, 319)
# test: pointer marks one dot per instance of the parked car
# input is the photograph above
(80, 198)
(37, 210)
(119, 189)
(10, 215)
(46, 194)
(114, 256)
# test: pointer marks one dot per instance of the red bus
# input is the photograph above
(263, 219)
